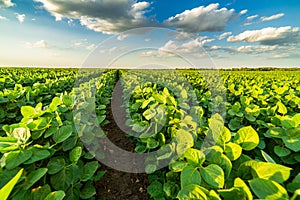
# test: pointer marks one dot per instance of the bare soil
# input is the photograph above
(117, 184)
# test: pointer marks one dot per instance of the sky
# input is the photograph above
(140, 34)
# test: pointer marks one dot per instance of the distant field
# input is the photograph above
(224, 134)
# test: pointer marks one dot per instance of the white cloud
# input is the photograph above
(280, 56)
(42, 44)
(256, 49)
(224, 35)
(122, 36)
(147, 39)
(104, 16)
(6, 3)
(20, 17)
(3, 18)
(202, 19)
(250, 18)
(191, 47)
(277, 16)
(269, 36)
(243, 12)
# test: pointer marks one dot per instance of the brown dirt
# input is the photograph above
(116, 184)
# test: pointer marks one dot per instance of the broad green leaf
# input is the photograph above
(75, 154)
(6, 190)
(213, 195)
(268, 189)
(155, 189)
(233, 151)
(171, 189)
(177, 166)
(16, 158)
(244, 189)
(57, 195)
(28, 112)
(88, 191)
(281, 108)
(192, 192)
(55, 165)
(190, 175)
(194, 157)
(34, 176)
(37, 155)
(59, 180)
(292, 143)
(213, 175)
(41, 192)
(281, 151)
(247, 138)
(89, 169)
(63, 134)
(276, 172)
(184, 140)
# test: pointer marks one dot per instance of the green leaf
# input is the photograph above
(192, 192)
(247, 138)
(171, 189)
(57, 195)
(194, 157)
(28, 112)
(67, 100)
(268, 189)
(184, 141)
(63, 133)
(88, 191)
(190, 175)
(59, 180)
(55, 165)
(16, 158)
(292, 143)
(152, 143)
(34, 176)
(155, 189)
(89, 169)
(244, 189)
(37, 155)
(40, 193)
(75, 154)
(6, 190)
(281, 108)
(267, 157)
(213, 175)
(281, 151)
(233, 151)
(149, 114)
(276, 172)
(177, 166)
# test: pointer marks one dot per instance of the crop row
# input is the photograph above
(249, 149)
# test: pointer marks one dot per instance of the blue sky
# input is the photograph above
(64, 33)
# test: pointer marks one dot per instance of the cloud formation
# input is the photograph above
(6, 3)
(269, 36)
(41, 44)
(277, 16)
(224, 35)
(3, 18)
(202, 19)
(20, 17)
(104, 16)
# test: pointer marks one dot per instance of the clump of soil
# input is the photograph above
(116, 184)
